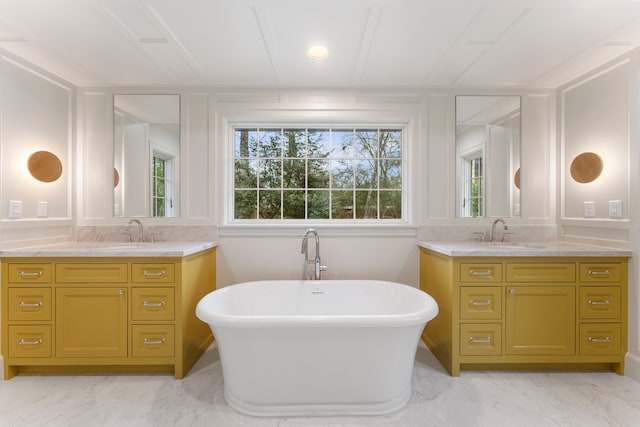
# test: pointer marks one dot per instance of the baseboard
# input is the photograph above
(632, 366)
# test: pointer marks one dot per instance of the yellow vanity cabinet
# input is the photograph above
(106, 314)
(526, 312)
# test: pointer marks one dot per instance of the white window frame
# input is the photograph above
(381, 125)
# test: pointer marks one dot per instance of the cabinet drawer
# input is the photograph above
(480, 339)
(152, 273)
(91, 273)
(29, 273)
(153, 340)
(29, 304)
(152, 304)
(600, 302)
(480, 303)
(478, 273)
(30, 341)
(541, 273)
(600, 272)
(600, 339)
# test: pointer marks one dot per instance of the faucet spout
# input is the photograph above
(140, 227)
(318, 268)
(493, 229)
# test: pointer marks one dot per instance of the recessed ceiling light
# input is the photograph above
(318, 52)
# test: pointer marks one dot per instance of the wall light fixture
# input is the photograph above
(586, 167)
(44, 166)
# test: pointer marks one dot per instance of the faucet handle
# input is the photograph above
(480, 235)
(506, 234)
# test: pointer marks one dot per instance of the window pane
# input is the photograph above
(390, 204)
(245, 174)
(366, 171)
(293, 204)
(270, 173)
(293, 173)
(318, 174)
(294, 143)
(270, 204)
(342, 143)
(246, 141)
(318, 206)
(391, 144)
(367, 204)
(391, 174)
(270, 142)
(342, 174)
(245, 204)
(342, 204)
(318, 143)
(366, 144)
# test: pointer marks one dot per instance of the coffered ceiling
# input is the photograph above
(372, 43)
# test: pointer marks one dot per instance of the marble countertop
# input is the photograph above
(539, 249)
(109, 249)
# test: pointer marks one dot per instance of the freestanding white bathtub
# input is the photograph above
(317, 347)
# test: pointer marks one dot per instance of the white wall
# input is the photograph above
(599, 113)
(36, 110)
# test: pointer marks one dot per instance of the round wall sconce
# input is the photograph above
(586, 167)
(44, 166)
(516, 179)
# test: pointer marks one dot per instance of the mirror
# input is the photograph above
(146, 155)
(487, 156)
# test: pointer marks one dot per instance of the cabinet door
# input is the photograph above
(540, 320)
(91, 322)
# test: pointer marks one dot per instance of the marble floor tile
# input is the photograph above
(475, 399)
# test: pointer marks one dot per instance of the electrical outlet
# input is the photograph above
(590, 209)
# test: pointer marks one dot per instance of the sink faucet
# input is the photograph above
(493, 229)
(315, 275)
(140, 230)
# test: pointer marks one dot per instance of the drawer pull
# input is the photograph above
(480, 340)
(37, 342)
(607, 302)
(30, 274)
(480, 273)
(26, 304)
(153, 273)
(153, 304)
(479, 303)
(600, 340)
(600, 273)
(149, 342)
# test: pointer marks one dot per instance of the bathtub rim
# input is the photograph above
(428, 311)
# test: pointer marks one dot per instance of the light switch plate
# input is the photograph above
(43, 209)
(615, 208)
(15, 208)
(590, 209)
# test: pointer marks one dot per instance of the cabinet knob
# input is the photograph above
(121, 292)
(512, 291)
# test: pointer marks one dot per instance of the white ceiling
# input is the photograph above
(373, 43)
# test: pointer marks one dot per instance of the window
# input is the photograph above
(317, 174)
(473, 191)
(161, 185)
